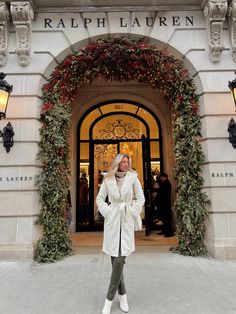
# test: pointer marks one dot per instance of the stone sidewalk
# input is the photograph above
(157, 281)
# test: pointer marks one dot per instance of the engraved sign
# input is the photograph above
(117, 21)
(18, 180)
(222, 174)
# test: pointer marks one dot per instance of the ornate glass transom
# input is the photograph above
(118, 130)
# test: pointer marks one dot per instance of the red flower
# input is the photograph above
(165, 52)
(46, 107)
(60, 152)
(67, 62)
(47, 87)
(91, 46)
(144, 45)
(180, 98)
(185, 73)
(195, 107)
(64, 98)
(169, 66)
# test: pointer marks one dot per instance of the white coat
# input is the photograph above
(119, 216)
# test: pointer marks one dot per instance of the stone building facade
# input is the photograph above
(36, 35)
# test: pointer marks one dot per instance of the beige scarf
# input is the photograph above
(120, 177)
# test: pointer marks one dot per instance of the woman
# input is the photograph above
(126, 199)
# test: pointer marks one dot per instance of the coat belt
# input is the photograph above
(123, 207)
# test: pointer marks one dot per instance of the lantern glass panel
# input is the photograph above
(234, 94)
(3, 100)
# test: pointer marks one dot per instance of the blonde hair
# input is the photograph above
(115, 164)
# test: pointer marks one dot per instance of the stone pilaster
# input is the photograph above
(22, 14)
(232, 25)
(4, 31)
(215, 12)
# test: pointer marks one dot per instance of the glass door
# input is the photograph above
(103, 156)
(111, 128)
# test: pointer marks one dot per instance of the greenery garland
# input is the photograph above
(119, 59)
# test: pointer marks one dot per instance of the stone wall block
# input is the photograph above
(217, 104)
(232, 225)
(221, 226)
(215, 127)
(222, 199)
(196, 41)
(218, 150)
(8, 229)
(24, 229)
(38, 64)
(49, 43)
(16, 251)
(210, 232)
(198, 57)
(216, 81)
(23, 107)
(26, 85)
(20, 203)
(22, 153)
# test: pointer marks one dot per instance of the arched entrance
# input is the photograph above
(109, 128)
(119, 59)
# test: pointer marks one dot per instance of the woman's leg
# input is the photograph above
(121, 287)
(117, 279)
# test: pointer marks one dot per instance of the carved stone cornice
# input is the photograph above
(215, 11)
(22, 14)
(4, 31)
(232, 25)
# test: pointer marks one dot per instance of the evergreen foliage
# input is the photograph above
(119, 59)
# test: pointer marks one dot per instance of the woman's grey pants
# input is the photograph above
(117, 278)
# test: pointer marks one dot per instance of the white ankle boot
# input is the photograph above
(107, 307)
(124, 303)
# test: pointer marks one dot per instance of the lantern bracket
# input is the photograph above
(7, 136)
(3, 84)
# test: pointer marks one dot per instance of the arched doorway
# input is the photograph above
(112, 127)
(120, 59)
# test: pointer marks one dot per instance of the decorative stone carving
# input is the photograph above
(232, 24)
(22, 14)
(4, 17)
(215, 11)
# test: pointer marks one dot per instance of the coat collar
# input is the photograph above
(125, 185)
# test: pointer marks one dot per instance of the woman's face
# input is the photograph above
(124, 164)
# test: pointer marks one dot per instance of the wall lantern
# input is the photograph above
(7, 133)
(232, 87)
